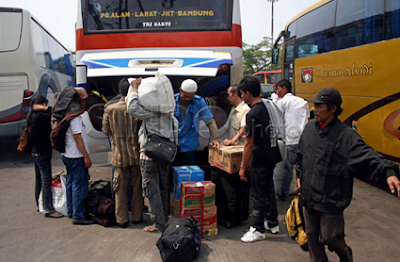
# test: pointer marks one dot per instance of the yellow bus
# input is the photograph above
(353, 46)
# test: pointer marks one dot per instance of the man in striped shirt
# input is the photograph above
(124, 128)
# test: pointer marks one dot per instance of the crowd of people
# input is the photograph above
(326, 154)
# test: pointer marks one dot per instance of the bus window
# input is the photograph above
(10, 30)
(153, 15)
(358, 22)
(315, 31)
(392, 19)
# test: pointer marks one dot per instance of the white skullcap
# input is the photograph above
(189, 86)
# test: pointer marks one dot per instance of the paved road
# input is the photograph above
(372, 227)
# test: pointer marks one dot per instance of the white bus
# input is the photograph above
(198, 39)
(32, 62)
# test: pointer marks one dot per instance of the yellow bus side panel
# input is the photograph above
(367, 77)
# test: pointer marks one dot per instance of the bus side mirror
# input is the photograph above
(275, 56)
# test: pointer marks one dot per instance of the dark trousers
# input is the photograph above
(325, 229)
(43, 180)
(263, 196)
(185, 158)
(156, 188)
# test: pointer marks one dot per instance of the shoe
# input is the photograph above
(82, 221)
(124, 225)
(252, 235)
(54, 215)
(351, 256)
(273, 230)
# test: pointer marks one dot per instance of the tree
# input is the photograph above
(258, 57)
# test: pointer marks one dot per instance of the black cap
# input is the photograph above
(327, 95)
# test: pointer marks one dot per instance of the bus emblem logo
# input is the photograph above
(307, 75)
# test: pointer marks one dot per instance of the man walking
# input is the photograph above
(295, 117)
(123, 128)
(263, 160)
(330, 155)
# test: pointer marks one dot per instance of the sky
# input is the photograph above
(59, 17)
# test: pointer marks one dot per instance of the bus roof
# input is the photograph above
(305, 11)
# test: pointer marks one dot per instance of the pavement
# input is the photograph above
(372, 226)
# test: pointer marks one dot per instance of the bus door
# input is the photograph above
(289, 61)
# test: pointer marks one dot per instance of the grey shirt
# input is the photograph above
(153, 122)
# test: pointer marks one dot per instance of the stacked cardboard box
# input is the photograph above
(226, 158)
(185, 174)
(189, 204)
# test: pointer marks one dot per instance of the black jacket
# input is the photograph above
(328, 160)
(40, 130)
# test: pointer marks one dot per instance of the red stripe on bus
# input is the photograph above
(159, 40)
(11, 118)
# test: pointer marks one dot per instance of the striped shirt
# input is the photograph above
(124, 131)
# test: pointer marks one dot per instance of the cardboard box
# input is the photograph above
(191, 193)
(209, 216)
(228, 158)
(212, 154)
(174, 206)
(185, 174)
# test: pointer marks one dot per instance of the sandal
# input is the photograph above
(152, 229)
(54, 215)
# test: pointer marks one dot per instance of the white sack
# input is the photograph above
(156, 94)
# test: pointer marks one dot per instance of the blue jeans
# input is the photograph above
(263, 196)
(77, 186)
(290, 160)
(43, 180)
(156, 188)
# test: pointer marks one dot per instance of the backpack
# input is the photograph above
(180, 240)
(276, 118)
(294, 221)
(99, 204)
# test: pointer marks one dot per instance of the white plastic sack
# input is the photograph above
(59, 195)
(156, 94)
(59, 190)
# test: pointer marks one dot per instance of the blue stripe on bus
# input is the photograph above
(187, 62)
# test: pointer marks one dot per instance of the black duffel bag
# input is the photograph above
(180, 240)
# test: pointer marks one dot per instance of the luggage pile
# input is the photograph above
(193, 197)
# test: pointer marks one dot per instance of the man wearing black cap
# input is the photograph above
(330, 155)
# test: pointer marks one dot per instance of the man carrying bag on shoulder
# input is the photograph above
(154, 173)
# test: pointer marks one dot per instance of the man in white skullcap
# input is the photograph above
(190, 109)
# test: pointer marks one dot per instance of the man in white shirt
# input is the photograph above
(274, 95)
(77, 161)
(295, 117)
(237, 117)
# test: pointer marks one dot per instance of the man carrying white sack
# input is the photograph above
(189, 110)
(154, 174)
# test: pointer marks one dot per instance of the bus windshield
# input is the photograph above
(150, 15)
(10, 29)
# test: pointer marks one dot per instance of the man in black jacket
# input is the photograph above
(330, 155)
